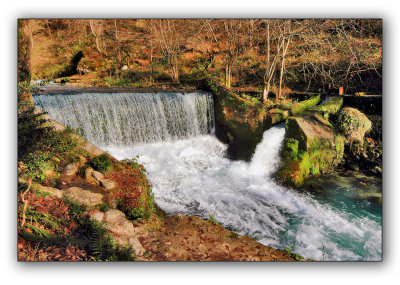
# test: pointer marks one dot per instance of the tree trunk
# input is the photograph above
(228, 75)
(24, 51)
(281, 77)
(267, 86)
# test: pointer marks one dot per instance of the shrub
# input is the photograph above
(54, 226)
(102, 162)
(41, 149)
(212, 220)
(133, 195)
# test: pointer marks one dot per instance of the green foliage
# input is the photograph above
(42, 149)
(92, 236)
(102, 162)
(300, 107)
(212, 220)
(118, 82)
(104, 207)
(82, 170)
(25, 86)
(31, 129)
(292, 147)
(296, 256)
(99, 244)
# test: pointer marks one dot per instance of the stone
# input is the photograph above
(307, 129)
(113, 216)
(117, 223)
(353, 123)
(71, 169)
(92, 176)
(136, 245)
(53, 191)
(108, 184)
(98, 176)
(97, 216)
(83, 197)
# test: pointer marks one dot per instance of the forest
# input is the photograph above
(257, 57)
(200, 139)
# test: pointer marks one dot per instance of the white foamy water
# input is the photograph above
(191, 174)
(194, 177)
(122, 119)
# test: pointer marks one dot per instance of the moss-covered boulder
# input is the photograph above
(310, 147)
(353, 124)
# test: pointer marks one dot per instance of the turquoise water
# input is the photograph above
(337, 217)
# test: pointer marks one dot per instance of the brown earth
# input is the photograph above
(183, 238)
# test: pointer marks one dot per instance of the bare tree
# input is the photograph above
(170, 34)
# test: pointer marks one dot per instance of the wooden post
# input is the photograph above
(341, 90)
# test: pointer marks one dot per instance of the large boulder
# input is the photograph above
(307, 130)
(310, 147)
(353, 124)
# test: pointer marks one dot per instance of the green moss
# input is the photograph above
(352, 123)
(292, 148)
(300, 107)
(321, 156)
(102, 162)
(332, 106)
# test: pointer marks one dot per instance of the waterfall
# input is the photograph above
(191, 174)
(194, 177)
(123, 119)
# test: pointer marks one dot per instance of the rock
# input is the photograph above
(108, 184)
(53, 191)
(113, 216)
(307, 129)
(97, 216)
(83, 197)
(353, 124)
(72, 168)
(92, 176)
(310, 148)
(374, 197)
(98, 176)
(118, 224)
(136, 245)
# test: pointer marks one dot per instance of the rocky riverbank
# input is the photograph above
(119, 198)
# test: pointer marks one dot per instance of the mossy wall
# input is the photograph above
(300, 107)
(332, 106)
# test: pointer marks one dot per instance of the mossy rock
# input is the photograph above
(307, 129)
(353, 124)
(310, 148)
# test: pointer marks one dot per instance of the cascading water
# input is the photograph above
(126, 118)
(192, 175)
